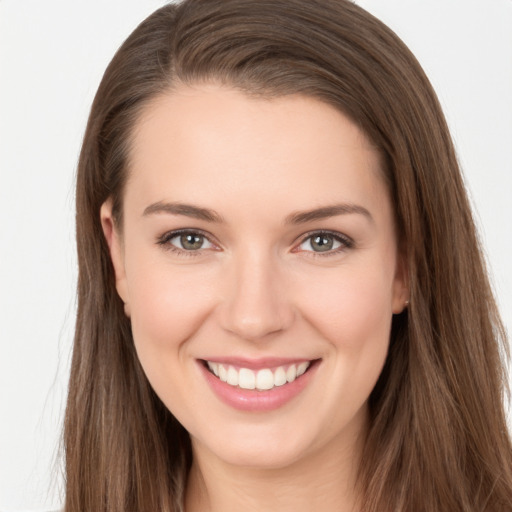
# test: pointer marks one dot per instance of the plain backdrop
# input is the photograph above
(52, 56)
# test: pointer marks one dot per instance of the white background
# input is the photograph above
(52, 56)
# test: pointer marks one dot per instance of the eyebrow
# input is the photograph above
(295, 218)
(326, 212)
(188, 210)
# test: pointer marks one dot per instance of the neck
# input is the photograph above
(324, 479)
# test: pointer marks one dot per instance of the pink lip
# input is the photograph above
(254, 400)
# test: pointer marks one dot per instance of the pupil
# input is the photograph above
(191, 242)
(322, 243)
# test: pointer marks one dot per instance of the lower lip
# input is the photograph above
(254, 400)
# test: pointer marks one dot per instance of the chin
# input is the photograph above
(264, 456)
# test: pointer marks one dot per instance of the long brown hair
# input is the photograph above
(438, 438)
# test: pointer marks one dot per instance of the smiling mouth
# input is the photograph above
(263, 379)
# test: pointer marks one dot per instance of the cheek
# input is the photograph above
(350, 308)
(168, 305)
(353, 315)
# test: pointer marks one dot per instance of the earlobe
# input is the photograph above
(114, 242)
(401, 293)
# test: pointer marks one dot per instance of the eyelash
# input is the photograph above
(167, 237)
(345, 241)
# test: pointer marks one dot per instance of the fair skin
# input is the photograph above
(254, 284)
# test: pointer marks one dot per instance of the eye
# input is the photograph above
(325, 242)
(190, 242)
(185, 241)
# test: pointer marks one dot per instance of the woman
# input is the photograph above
(282, 301)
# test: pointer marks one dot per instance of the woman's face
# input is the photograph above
(258, 241)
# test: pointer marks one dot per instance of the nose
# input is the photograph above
(256, 303)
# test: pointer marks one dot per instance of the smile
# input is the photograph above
(258, 385)
(263, 379)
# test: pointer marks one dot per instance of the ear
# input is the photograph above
(115, 245)
(401, 292)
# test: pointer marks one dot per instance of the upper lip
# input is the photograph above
(258, 363)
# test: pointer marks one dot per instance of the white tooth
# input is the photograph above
(264, 379)
(214, 367)
(279, 377)
(223, 374)
(291, 373)
(246, 379)
(302, 368)
(232, 377)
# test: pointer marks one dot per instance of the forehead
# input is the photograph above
(212, 142)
